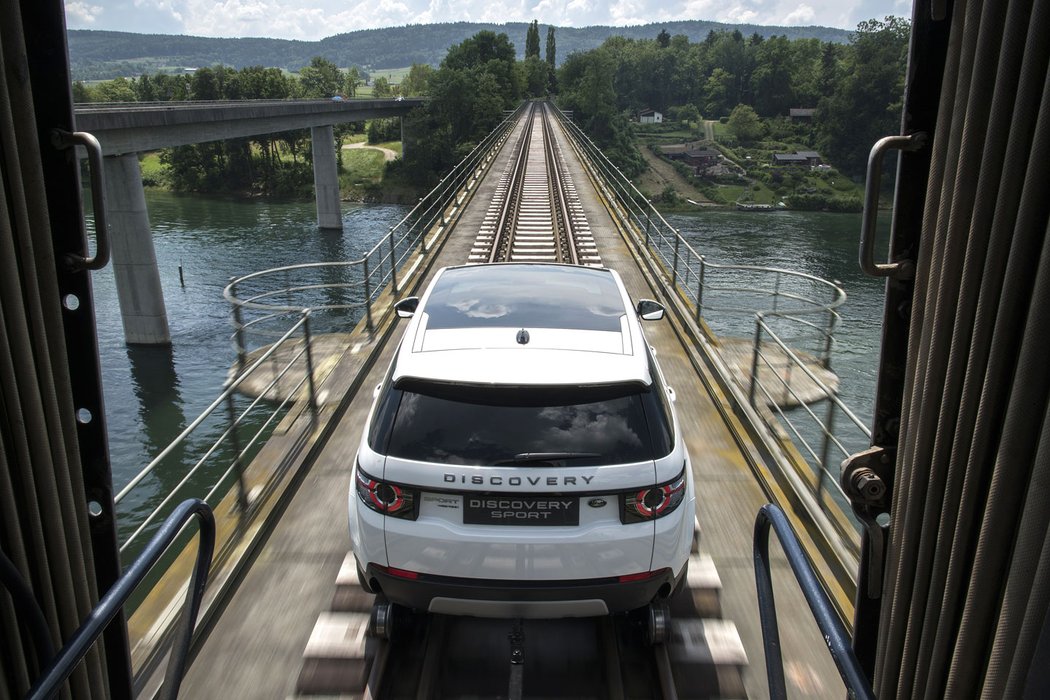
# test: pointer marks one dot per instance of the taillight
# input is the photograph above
(388, 499)
(647, 504)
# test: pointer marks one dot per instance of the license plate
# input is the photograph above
(521, 510)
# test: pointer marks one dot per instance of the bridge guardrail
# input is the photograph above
(790, 318)
(341, 294)
(278, 315)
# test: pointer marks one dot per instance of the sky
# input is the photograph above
(315, 19)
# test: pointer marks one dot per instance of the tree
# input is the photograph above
(353, 81)
(717, 89)
(532, 40)
(81, 93)
(417, 80)
(550, 54)
(867, 101)
(745, 124)
(116, 90)
(534, 76)
(320, 79)
(381, 87)
(492, 53)
(663, 39)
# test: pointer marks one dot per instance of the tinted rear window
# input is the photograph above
(525, 296)
(493, 426)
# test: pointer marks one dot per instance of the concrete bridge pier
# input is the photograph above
(326, 177)
(134, 258)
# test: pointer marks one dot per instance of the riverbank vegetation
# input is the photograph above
(734, 94)
(728, 94)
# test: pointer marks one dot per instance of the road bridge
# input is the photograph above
(124, 130)
(289, 622)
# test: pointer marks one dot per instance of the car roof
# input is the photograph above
(521, 324)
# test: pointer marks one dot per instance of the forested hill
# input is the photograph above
(101, 55)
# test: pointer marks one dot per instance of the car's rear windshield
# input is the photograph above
(522, 426)
(525, 296)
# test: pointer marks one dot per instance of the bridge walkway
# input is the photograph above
(255, 649)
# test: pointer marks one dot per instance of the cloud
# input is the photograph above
(315, 19)
(81, 15)
(739, 14)
(803, 14)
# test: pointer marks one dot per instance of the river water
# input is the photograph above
(151, 394)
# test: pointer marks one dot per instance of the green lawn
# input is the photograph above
(393, 75)
(361, 167)
(153, 172)
(394, 146)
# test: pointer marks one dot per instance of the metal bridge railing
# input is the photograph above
(789, 316)
(277, 315)
(831, 628)
(272, 389)
(58, 666)
(341, 294)
(227, 434)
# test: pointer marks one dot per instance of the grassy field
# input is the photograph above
(153, 172)
(362, 166)
(394, 146)
(392, 75)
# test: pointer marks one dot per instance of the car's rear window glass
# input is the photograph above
(525, 426)
(524, 296)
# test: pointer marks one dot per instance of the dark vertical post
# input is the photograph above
(238, 467)
(308, 340)
(754, 359)
(368, 299)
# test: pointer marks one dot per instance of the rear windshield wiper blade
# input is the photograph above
(531, 457)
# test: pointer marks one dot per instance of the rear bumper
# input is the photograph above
(526, 599)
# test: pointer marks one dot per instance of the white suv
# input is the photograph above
(522, 457)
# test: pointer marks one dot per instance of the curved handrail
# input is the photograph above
(827, 620)
(49, 683)
(439, 198)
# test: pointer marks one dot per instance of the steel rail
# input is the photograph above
(503, 241)
(564, 230)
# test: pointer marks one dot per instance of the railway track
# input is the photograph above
(678, 648)
(536, 215)
(363, 647)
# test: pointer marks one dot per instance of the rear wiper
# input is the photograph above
(532, 457)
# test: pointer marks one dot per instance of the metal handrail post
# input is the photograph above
(59, 668)
(776, 293)
(754, 359)
(393, 261)
(238, 467)
(648, 224)
(308, 339)
(238, 334)
(674, 265)
(368, 300)
(831, 628)
(825, 452)
(700, 289)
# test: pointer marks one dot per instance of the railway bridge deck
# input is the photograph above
(286, 609)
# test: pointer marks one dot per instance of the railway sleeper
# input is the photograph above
(365, 646)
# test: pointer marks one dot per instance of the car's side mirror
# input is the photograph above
(406, 307)
(649, 310)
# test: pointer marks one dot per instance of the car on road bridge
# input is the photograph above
(522, 457)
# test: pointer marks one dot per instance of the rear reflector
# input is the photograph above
(638, 577)
(401, 573)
